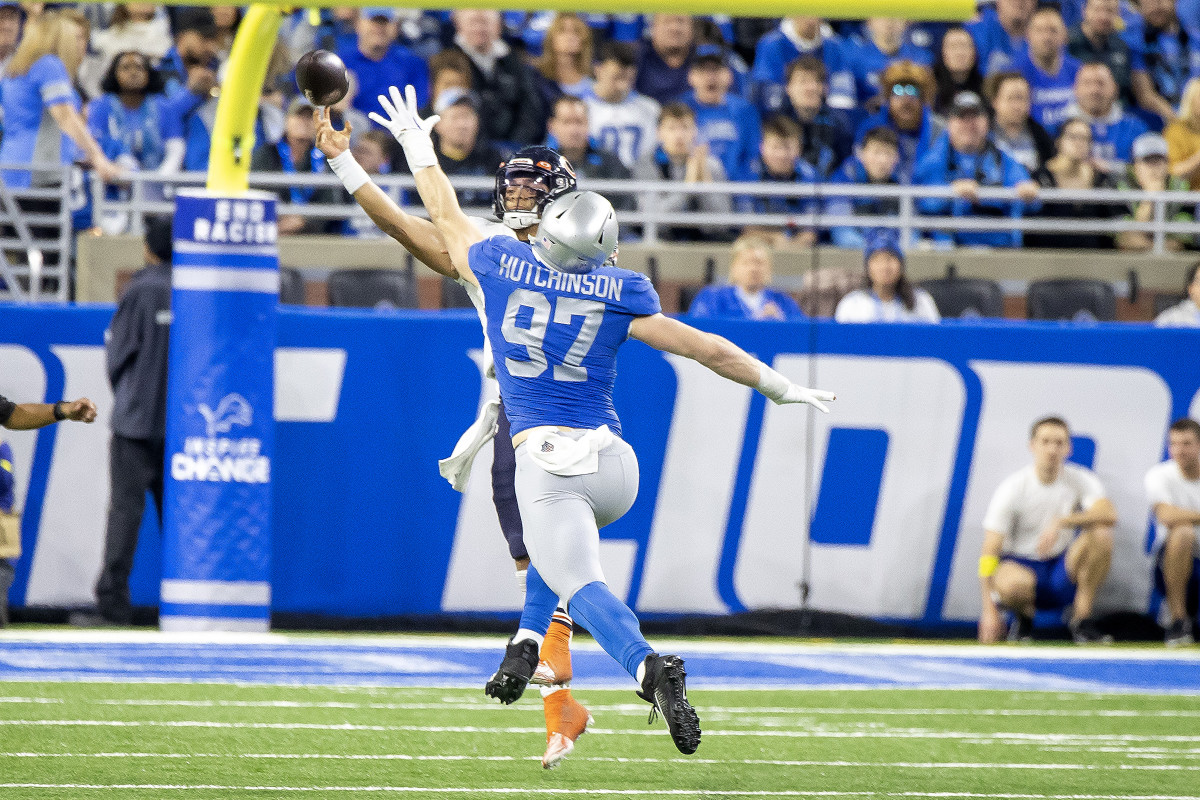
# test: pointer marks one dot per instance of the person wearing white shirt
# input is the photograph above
(889, 296)
(1173, 488)
(621, 120)
(1048, 540)
(1186, 313)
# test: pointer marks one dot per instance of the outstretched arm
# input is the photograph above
(27, 416)
(724, 358)
(434, 187)
(419, 236)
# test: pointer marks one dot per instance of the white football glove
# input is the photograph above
(779, 390)
(405, 123)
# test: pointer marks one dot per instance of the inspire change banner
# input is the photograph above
(220, 425)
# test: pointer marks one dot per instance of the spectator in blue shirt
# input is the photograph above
(727, 123)
(779, 162)
(1096, 39)
(662, 65)
(1048, 67)
(885, 40)
(908, 89)
(197, 42)
(999, 33)
(966, 159)
(874, 164)
(956, 68)
(748, 295)
(378, 62)
(127, 119)
(1169, 52)
(40, 109)
(800, 36)
(197, 127)
(826, 134)
(1113, 130)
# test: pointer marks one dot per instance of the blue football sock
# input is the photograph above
(612, 624)
(540, 602)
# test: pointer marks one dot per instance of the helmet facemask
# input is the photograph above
(537, 170)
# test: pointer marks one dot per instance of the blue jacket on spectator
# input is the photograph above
(398, 67)
(778, 204)
(912, 145)
(1112, 136)
(866, 61)
(726, 302)
(1171, 59)
(853, 173)
(137, 133)
(996, 51)
(776, 50)
(731, 130)
(658, 80)
(942, 165)
(1051, 95)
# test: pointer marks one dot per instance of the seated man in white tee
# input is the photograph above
(1048, 539)
(1174, 491)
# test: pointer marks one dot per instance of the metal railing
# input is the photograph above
(35, 245)
(28, 273)
(908, 220)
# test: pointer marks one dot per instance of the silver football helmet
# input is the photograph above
(578, 232)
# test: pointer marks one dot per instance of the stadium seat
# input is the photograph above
(291, 287)
(966, 297)
(373, 288)
(454, 295)
(1164, 301)
(687, 294)
(1071, 299)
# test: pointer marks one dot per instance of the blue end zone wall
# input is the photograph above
(928, 420)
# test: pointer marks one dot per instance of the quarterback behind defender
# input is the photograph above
(524, 184)
(555, 317)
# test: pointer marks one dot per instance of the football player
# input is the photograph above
(574, 472)
(525, 183)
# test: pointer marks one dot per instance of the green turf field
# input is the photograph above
(69, 740)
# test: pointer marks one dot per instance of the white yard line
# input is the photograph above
(526, 791)
(927, 765)
(892, 733)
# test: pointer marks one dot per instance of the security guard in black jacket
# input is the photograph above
(136, 345)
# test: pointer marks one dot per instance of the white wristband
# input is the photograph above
(771, 384)
(351, 173)
(418, 150)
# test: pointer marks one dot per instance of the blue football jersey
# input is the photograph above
(555, 335)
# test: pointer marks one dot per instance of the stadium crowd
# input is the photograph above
(1082, 94)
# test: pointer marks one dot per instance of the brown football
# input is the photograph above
(321, 76)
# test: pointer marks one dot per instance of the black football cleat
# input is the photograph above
(510, 680)
(663, 685)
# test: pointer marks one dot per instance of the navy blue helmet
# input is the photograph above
(545, 171)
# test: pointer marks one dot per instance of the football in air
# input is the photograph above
(321, 76)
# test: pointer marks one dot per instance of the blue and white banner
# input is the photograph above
(216, 566)
(890, 488)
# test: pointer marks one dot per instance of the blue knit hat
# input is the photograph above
(882, 239)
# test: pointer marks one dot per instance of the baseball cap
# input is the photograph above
(371, 12)
(967, 103)
(1149, 145)
(882, 239)
(453, 96)
(708, 54)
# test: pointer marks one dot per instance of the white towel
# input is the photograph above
(560, 454)
(457, 468)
